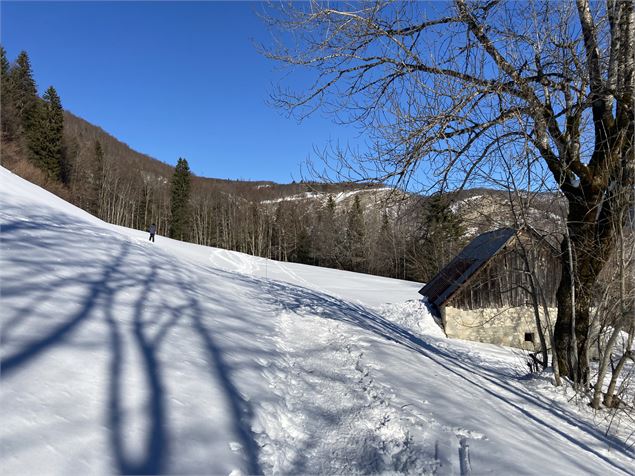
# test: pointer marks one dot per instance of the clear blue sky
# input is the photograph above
(170, 80)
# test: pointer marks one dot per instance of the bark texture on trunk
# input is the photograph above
(591, 243)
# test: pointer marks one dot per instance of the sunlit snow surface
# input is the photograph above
(129, 357)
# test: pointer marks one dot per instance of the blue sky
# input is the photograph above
(171, 80)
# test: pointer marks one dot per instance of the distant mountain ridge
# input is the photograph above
(83, 134)
(268, 192)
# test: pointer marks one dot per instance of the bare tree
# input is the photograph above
(437, 86)
(614, 307)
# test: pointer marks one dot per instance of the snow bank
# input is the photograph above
(413, 316)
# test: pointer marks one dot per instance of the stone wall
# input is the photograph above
(506, 326)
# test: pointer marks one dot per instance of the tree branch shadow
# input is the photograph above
(156, 446)
(40, 344)
(303, 300)
(241, 411)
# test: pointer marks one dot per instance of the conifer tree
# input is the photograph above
(441, 237)
(330, 205)
(32, 117)
(181, 185)
(303, 245)
(24, 93)
(7, 113)
(356, 237)
(327, 242)
(383, 248)
(4, 62)
(48, 136)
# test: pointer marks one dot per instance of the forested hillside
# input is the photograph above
(353, 226)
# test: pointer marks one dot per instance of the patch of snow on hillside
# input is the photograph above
(293, 198)
(323, 196)
(341, 196)
(471, 231)
(460, 204)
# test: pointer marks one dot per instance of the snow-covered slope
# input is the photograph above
(124, 356)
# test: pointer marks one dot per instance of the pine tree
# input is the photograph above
(383, 252)
(440, 239)
(4, 62)
(48, 137)
(303, 244)
(181, 186)
(7, 112)
(33, 117)
(327, 242)
(356, 237)
(24, 94)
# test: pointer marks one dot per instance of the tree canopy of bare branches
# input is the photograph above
(450, 91)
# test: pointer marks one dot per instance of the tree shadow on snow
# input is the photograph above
(156, 449)
(241, 411)
(304, 301)
(59, 331)
(49, 256)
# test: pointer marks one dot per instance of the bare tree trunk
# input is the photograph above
(584, 253)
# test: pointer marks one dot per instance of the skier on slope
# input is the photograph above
(152, 230)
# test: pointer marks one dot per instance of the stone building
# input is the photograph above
(485, 293)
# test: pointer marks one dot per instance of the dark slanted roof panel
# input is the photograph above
(446, 278)
(480, 250)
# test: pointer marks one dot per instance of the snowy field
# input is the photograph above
(121, 356)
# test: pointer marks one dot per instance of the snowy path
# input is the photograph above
(122, 356)
(334, 417)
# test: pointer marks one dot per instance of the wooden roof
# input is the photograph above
(472, 258)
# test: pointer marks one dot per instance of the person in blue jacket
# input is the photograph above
(152, 230)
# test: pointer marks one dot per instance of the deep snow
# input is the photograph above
(124, 356)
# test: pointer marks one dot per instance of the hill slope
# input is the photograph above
(123, 356)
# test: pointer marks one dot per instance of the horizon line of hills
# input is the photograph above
(269, 189)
